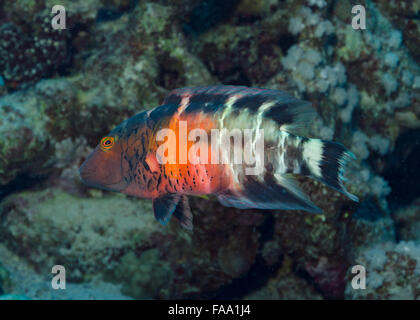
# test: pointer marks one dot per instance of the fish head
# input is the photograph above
(105, 167)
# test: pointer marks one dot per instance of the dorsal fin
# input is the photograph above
(288, 112)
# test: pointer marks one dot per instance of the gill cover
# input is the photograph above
(104, 167)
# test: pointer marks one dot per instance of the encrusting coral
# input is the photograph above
(60, 91)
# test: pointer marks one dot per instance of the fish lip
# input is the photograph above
(86, 175)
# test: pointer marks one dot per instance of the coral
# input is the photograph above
(57, 109)
(4, 280)
(392, 272)
(403, 14)
(116, 239)
(25, 283)
(145, 276)
(21, 126)
(285, 285)
(407, 220)
(61, 91)
(26, 57)
(47, 218)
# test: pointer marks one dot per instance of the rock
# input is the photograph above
(393, 270)
(60, 92)
(74, 232)
(116, 239)
(4, 280)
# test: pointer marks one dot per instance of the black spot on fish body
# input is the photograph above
(331, 172)
(159, 181)
(304, 170)
(130, 165)
(163, 111)
(251, 103)
(283, 116)
(150, 185)
(194, 107)
(146, 166)
(207, 102)
(303, 140)
(143, 140)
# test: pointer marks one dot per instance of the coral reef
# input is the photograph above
(25, 56)
(124, 244)
(24, 283)
(61, 90)
(393, 272)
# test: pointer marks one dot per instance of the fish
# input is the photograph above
(152, 155)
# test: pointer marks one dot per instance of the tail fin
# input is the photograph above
(326, 161)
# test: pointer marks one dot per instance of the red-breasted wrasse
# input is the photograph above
(130, 158)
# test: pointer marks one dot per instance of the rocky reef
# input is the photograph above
(62, 90)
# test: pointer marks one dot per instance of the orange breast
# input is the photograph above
(192, 172)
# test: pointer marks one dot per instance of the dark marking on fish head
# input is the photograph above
(136, 122)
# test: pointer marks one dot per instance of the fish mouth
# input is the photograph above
(92, 177)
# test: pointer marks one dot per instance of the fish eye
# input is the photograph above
(107, 143)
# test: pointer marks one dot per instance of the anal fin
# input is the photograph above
(272, 193)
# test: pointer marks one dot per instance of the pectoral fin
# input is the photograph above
(164, 206)
(183, 213)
